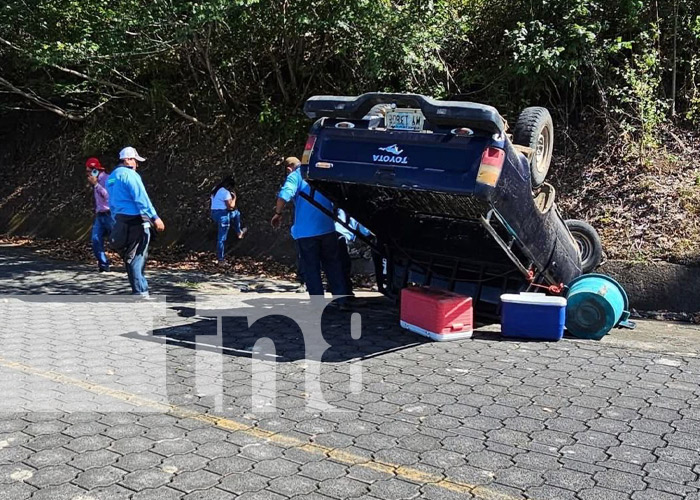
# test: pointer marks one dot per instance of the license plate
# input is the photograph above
(405, 119)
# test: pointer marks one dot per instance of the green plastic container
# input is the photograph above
(595, 305)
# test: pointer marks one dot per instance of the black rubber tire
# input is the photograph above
(588, 243)
(535, 130)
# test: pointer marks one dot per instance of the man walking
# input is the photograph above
(314, 234)
(102, 227)
(134, 217)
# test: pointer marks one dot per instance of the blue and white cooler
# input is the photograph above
(533, 316)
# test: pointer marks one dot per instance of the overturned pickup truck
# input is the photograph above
(453, 200)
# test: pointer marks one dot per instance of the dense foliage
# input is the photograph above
(221, 61)
(213, 87)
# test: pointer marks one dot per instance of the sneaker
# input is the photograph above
(301, 288)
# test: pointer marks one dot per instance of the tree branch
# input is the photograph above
(121, 88)
(42, 102)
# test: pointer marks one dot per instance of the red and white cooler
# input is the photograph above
(437, 314)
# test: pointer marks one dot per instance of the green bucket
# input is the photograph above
(595, 304)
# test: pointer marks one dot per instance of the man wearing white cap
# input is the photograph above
(134, 217)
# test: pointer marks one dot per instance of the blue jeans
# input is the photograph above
(136, 262)
(322, 251)
(101, 229)
(224, 220)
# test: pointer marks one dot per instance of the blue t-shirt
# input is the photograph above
(308, 220)
(127, 194)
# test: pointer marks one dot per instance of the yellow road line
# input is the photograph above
(400, 471)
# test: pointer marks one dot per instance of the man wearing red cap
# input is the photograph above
(102, 227)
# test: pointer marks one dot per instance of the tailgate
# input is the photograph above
(408, 160)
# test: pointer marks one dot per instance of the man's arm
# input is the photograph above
(289, 190)
(143, 202)
(101, 190)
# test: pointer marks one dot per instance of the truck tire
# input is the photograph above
(588, 244)
(535, 130)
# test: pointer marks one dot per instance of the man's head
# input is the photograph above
(129, 157)
(291, 163)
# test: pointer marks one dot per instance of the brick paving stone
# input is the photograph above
(218, 449)
(229, 465)
(165, 448)
(323, 470)
(113, 492)
(620, 481)
(670, 472)
(489, 460)
(651, 494)
(99, 477)
(394, 489)
(120, 431)
(518, 477)
(196, 480)
(125, 446)
(47, 442)
(162, 493)
(550, 493)
(240, 483)
(584, 453)
(495, 491)
(138, 461)
(261, 495)
(569, 479)
(183, 463)
(434, 492)
(397, 456)
(443, 459)
(88, 443)
(209, 494)
(94, 459)
(599, 493)
(53, 476)
(342, 488)
(16, 491)
(145, 479)
(293, 485)
(276, 468)
(470, 475)
(62, 492)
(670, 487)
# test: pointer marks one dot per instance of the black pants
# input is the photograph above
(316, 252)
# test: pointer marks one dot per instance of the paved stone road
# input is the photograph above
(94, 406)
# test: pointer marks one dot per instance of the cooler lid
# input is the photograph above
(533, 298)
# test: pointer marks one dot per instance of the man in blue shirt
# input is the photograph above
(314, 234)
(134, 216)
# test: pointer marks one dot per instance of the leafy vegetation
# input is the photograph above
(219, 61)
(624, 73)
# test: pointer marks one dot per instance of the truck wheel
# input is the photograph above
(588, 244)
(535, 130)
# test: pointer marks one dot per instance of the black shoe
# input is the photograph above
(103, 269)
